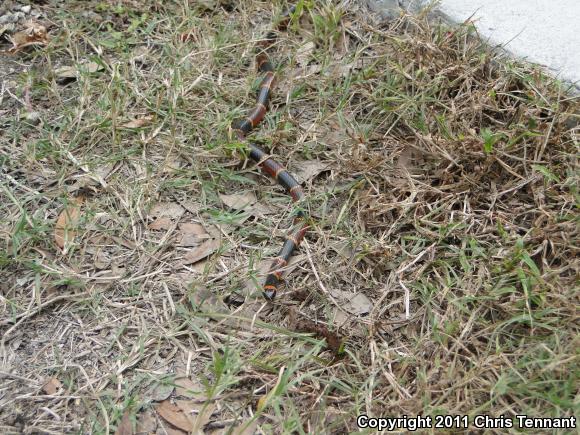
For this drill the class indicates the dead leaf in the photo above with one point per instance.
(34, 35)
(172, 164)
(118, 270)
(174, 415)
(67, 222)
(342, 70)
(162, 223)
(189, 407)
(51, 386)
(70, 72)
(247, 203)
(410, 161)
(340, 317)
(204, 299)
(160, 391)
(168, 429)
(247, 428)
(310, 169)
(356, 304)
(190, 206)
(125, 426)
(344, 249)
(90, 67)
(167, 209)
(102, 260)
(192, 234)
(66, 72)
(360, 304)
(185, 387)
(138, 123)
(207, 5)
(304, 53)
(146, 423)
(139, 53)
(203, 417)
(124, 242)
(239, 201)
(202, 251)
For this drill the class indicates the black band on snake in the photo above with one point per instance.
(270, 166)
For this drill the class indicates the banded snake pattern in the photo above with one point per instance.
(242, 127)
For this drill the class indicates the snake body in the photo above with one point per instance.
(267, 164)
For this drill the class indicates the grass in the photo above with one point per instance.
(446, 200)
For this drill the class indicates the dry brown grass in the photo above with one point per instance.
(442, 183)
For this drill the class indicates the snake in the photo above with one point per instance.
(266, 163)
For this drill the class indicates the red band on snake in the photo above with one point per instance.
(270, 166)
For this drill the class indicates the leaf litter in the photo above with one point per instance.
(34, 35)
(66, 225)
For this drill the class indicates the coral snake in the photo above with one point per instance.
(267, 164)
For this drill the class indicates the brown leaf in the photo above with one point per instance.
(246, 202)
(344, 249)
(34, 34)
(204, 250)
(66, 72)
(72, 72)
(185, 387)
(168, 429)
(191, 206)
(146, 423)
(167, 209)
(189, 407)
(192, 234)
(159, 391)
(129, 244)
(162, 223)
(102, 260)
(247, 428)
(90, 67)
(309, 169)
(340, 317)
(172, 164)
(203, 417)
(65, 227)
(138, 123)
(174, 415)
(239, 201)
(51, 386)
(205, 300)
(125, 427)
(304, 53)
(356, 304)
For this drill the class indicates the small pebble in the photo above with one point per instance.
(26, 9)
